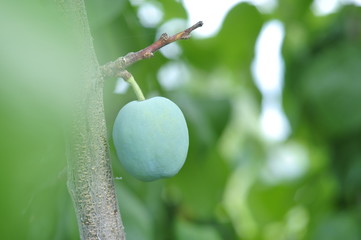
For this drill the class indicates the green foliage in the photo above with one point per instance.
(333, 96)
(244, 34)
(185, 230)
(228, 187)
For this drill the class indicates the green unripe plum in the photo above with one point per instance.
(151, 138)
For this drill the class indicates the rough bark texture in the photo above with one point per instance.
(90, 179)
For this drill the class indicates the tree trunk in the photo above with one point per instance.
(90, 179)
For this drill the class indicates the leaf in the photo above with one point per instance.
(233, 46)
(201, 53)
(330, 87)
(346, 154)
(206, 116)
(187, 230)
(173, 9)
(293, 11)
(270, 203)
(200, 183)
(236, 40)
(343, 225)
(136, 218)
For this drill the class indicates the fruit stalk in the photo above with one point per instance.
(128, 77)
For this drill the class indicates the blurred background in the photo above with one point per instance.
(271, 91)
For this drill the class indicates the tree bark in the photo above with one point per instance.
(90, 178)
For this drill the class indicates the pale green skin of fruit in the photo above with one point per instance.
(151, 138)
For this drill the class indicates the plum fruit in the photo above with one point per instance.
(151, 138)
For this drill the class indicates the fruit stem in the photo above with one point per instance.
(136, 88)
(128, 77)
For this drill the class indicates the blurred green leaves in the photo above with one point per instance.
(331, 88)
(185, 230)
(237, 36)
(233, 46)
(336, 226)
(173, 9)
(222, 191)
(37, 67)
(136, 218)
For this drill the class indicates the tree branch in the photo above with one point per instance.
(113, 69)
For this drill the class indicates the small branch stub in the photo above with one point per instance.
(113, 69)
